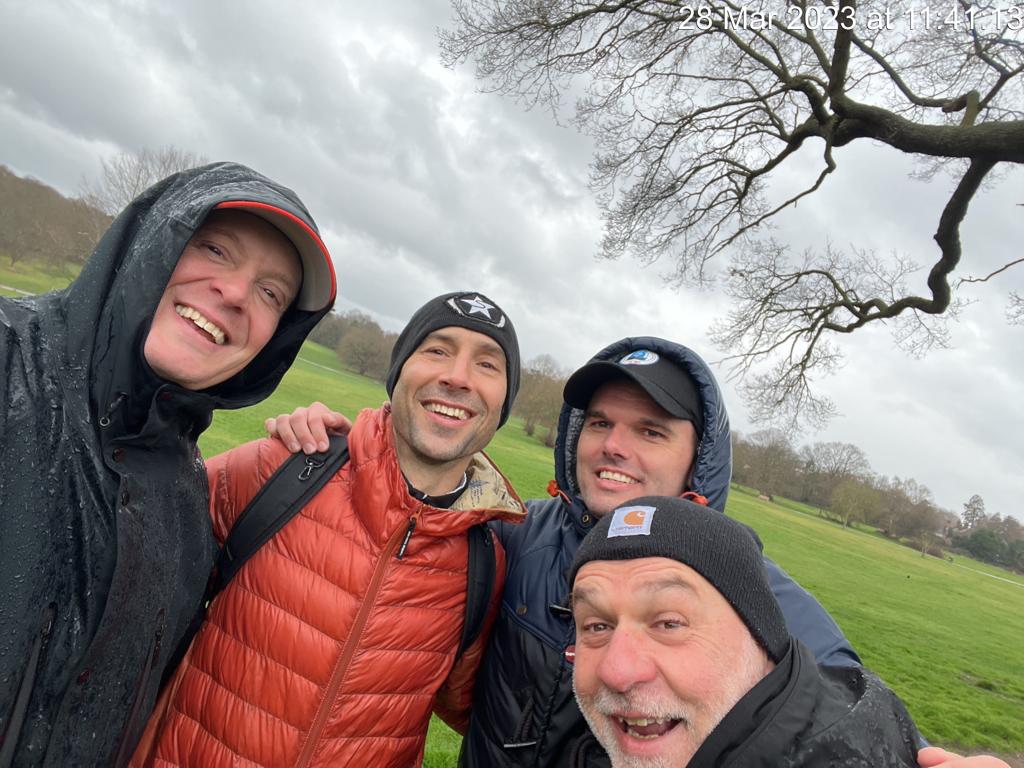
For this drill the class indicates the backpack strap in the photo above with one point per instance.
(286, 491)
(480, 576)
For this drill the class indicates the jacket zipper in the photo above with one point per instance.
(400, 536)
(9, 736)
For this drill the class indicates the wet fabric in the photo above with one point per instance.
(524, 712)
(105, 542)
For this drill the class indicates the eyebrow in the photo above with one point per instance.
(485, 344)
(667, 424)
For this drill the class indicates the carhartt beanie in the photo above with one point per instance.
(465, 310)
(724, 552)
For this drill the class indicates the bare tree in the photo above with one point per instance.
(540, 396)
(695, 106)
(127, 175)
(854, 500)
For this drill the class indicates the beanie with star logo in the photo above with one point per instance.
(463, 309)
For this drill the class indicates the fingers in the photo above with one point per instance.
(306, 429)
(929, 757)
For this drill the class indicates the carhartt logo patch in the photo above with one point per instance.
(640, 357)
(631, 521)
(476, 306)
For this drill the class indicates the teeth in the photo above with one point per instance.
(196, 317)
(642, 721)
(455, 413)
(605, 474)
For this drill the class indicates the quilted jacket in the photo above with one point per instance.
(337, 639)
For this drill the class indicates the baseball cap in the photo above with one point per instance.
(664, 380)
(319, 285)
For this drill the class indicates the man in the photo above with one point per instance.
(645, 415)
(683, 658)
(337, 639)
(197, 297)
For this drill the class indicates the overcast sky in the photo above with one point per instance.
(421, 184)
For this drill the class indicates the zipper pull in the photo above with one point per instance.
(105, 418)
(408, 535)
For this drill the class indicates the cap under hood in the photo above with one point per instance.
(713, 463)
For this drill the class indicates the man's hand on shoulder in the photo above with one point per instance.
(933, 757)
(306, 429)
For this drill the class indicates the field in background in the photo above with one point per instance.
(948, 637)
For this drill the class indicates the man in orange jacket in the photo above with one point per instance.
(338, 638)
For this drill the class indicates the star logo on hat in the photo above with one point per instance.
(475, 306)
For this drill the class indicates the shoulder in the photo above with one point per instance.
(243, 469)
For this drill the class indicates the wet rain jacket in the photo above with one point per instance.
(332, 644)
(524, 712)
(801, 715)
(105, 541)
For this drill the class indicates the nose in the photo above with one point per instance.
(616, 443)
(626, 662)
(234, 287)
(457, 373)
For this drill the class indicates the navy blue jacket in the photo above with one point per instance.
(524, 712)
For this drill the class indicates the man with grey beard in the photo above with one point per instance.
(682, 656)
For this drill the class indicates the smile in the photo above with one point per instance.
(219, 337)
(452, 412)
(619, 477)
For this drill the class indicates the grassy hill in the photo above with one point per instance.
(946, 636)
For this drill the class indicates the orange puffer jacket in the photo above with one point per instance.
(327, 649)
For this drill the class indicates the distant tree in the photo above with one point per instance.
(366, 350)
(985, 544)
(125, 176)
(829, 464)
(772, 461)
(853, 501)
(697, 107)
(328, 331)
(540, 395)
(974, 512)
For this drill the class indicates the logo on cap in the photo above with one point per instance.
(631, 521)
(475, 306)
(640, 357)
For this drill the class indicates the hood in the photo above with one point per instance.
(713, 462)
(108, 309)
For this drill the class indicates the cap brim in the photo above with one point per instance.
(319, 285)
(580, 387)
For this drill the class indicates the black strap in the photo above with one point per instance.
(287, 491)
(480, 572)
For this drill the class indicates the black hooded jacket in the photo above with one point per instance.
(801, 715)
(105, 539)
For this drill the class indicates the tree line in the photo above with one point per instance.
(836, 479)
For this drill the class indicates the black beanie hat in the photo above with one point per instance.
(463, 309)
(726, 553)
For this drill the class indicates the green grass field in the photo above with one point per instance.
(948, 637)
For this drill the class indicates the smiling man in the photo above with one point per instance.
(335, 642)
(683, 658)
(197, 297)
